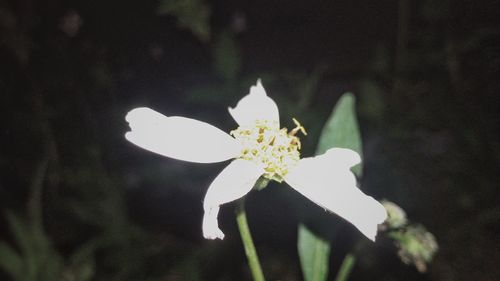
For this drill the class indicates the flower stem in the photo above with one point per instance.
(246, 237)
(346, 267)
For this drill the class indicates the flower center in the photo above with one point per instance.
(264, 142)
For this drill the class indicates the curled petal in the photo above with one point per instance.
(236, 180)
(179, 137)
(210, 225)
(255, 106)
(327, 181)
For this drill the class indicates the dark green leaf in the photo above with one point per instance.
(193, 15)
(10, 261)
(226, 56)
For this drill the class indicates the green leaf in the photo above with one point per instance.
(227, 59)
(313, 252)
(193, 15)
(21, 232)
(51, 267)
(10, 261)
(340, 130)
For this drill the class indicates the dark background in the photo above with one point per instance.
(425, 74)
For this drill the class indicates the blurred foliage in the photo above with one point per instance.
(226, 64)
(38, 260)
(193, 15)
(416, 245)
(227, 59)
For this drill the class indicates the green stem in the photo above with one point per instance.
(246, 237)
(346, 267)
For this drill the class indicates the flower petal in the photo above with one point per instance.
(327, 180)
(179, 137)
(236, 180)
(255, 106)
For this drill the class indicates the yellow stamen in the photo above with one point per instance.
(298, 128)
(265, 143)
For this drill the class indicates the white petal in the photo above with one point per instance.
(179, 137)
(255, 106)
(236, 180)
(328, 181)
(210, 225)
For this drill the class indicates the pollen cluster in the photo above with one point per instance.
(264, 142)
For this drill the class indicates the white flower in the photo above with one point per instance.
(259, 149)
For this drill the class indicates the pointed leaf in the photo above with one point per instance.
(341, 129)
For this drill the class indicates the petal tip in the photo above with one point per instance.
(211, 231)
(372, 237)
(369, 232)
(231, 110)
(210, 226)
(258, 89)
(255, 106)
(259, 83)
(135, 113)
(128, 135)
(213, 236)
(344, 156)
